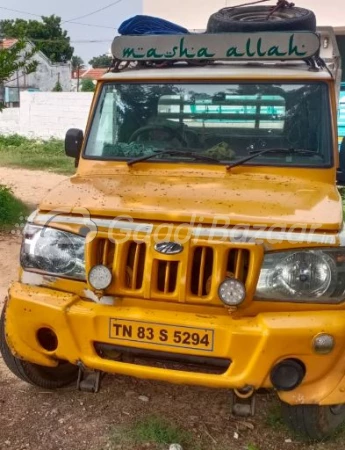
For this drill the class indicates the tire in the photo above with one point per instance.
(43, 377)
(314, 422)
(254, 18)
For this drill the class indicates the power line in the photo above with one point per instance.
(20, 12)
(93, 25)
(56, 41)
(68, 21)
(93, 12)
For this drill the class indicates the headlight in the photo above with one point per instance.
(316, 275)
(53, 252)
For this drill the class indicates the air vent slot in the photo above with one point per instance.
(167, 276)
(202, 268)
(238, 263)
(105, 252)
(135, 265)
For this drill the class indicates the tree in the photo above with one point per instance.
(77, 63)
(14, 59)
(57, 87)
(47, 35)
(87, 85)
(102, 61)
(11, 60)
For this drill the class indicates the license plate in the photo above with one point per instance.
(162, 334)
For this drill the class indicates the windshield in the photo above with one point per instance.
(226, 122)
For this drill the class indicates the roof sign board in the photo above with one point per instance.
(222, 46)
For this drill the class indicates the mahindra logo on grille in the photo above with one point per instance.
(168, 248)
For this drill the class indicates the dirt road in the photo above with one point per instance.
(29, 185)
(31, 418)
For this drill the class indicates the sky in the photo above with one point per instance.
(111, 17)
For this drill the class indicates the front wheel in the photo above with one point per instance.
(314, 422)
(43, 377)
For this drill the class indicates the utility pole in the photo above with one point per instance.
(78, 75)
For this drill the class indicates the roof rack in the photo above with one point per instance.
(319, 50)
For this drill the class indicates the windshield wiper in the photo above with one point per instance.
(172, 151)
(284, 151)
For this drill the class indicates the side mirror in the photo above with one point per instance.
(73, 143)
(341, 170)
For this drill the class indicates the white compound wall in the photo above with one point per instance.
(46, 114)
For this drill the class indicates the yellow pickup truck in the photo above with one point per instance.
(203, 228)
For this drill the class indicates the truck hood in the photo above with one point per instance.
(254, 199)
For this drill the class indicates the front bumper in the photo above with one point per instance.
(254, 344)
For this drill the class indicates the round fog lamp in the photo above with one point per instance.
(232, 292)
(100, 277)
(323, 343)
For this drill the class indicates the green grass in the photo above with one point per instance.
(12, 210)
(252, 447)
(18, 151)
(154, 431)
(274, 418)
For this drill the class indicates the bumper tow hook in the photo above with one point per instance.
(243, 402)
(88, 380)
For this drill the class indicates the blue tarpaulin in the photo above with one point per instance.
(141, 25)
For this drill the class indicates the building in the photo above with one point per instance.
(44, 78)
(86, 74)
